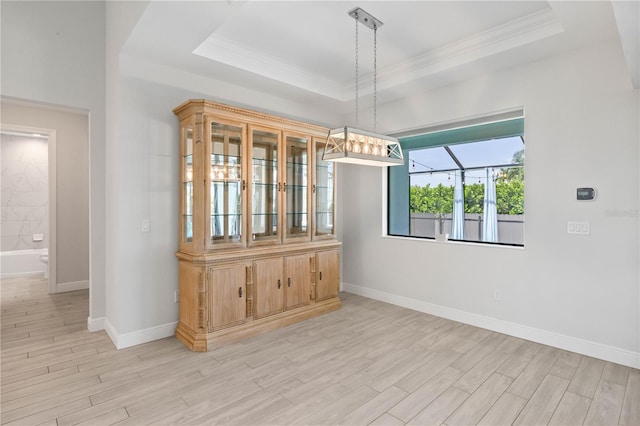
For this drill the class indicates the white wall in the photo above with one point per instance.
(54, 53)
(577, 292)
(147, 162)
(120, 18)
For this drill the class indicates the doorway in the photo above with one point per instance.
(67, 134)
(28, 245)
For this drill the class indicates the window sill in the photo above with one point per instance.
(455, 242)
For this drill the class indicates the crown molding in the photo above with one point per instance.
(228, 52)
(509, 36)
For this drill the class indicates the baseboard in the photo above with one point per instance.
(569, 343)
(96, 324)
(72, 286)
(111, 332)
(33, 274)
(134, 338)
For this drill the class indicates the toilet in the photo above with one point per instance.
(44, 258)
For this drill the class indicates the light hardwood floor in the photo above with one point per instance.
(368, 363)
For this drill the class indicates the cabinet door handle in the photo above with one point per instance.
(284, 187)
(289, 282)
(279, 284)
(239, 291)
(279, 186)
(314, 188)
(320, 274)
(244, 185)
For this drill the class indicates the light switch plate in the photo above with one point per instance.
(578, 228)
(146, 226)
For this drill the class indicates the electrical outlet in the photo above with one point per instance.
(497, 294)
(578, 228)
(146, 225)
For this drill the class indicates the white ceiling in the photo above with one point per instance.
(306, 49)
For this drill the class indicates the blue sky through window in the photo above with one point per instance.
(487, 153)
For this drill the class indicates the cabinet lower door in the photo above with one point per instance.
(327, 274)
(227, 291)
(298, 273)
(268, 282)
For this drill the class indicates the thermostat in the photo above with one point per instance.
(585, 194)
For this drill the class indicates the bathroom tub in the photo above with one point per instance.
(22, 263)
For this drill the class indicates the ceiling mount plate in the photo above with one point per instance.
(365, 18)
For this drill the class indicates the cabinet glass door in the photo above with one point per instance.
(187, 184)
(225, 174)
(323, 189)
(296, 187)
(264, 185)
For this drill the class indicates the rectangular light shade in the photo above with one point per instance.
(354, 146)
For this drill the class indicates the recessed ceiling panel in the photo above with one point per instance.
(311, 45)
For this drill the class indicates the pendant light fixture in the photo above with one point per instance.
(355, 146)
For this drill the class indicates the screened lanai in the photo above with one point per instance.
(471, 191)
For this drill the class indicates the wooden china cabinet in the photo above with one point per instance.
(257, 246)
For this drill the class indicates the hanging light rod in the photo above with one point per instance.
(351, 145)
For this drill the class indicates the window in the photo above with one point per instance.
(465, 180)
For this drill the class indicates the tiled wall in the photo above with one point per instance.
(24, 199)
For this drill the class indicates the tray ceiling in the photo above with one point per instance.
(307, 48)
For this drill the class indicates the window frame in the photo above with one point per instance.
(503, 124)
